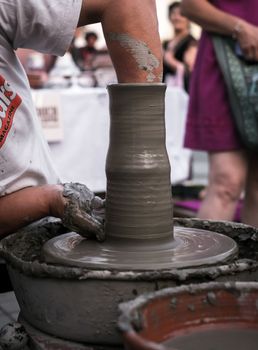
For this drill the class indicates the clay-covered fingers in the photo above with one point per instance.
(98, 209)
(83, 212)
(97, 203)
(87, 225)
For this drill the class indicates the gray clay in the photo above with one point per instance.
(79, 211)
(139, 198)
(13, 336)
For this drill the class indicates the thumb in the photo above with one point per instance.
(97, 203)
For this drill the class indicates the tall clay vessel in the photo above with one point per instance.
(139, 218)
(139, 199)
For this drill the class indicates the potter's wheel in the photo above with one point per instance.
(188, 248)
(65, 301)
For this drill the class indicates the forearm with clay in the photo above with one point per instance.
(78, 207)
(131, 32)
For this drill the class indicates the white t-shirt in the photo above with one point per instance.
(46, 26)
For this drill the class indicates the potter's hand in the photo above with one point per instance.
(84, 212)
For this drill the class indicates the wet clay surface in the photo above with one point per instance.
(216, 339)
(245, 236)
(188, 248)
(23, 251)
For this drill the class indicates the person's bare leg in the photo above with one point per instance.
(131, 32)
(227, 173)
(250, 208)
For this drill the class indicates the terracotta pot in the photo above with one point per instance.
(205, 316)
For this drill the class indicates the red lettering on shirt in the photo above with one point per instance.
(9, 102)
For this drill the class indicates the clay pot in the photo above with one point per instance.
(196, 317)
(81, 304)
(139, 197)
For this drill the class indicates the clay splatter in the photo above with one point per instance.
(145, 59)
(191, 307)
(173, 303)
(211, 298)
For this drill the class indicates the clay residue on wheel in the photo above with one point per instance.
(27, 243)
(245, 236)
(23, 251)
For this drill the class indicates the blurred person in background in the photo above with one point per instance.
(210, 125)
(75, 48)
(37, 66)
(85, 54)
(90, 51)
(180, 51)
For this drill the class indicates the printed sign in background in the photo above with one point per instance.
(48, 111)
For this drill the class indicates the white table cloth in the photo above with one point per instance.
(81, 154)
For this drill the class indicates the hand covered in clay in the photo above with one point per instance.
(84, 212)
